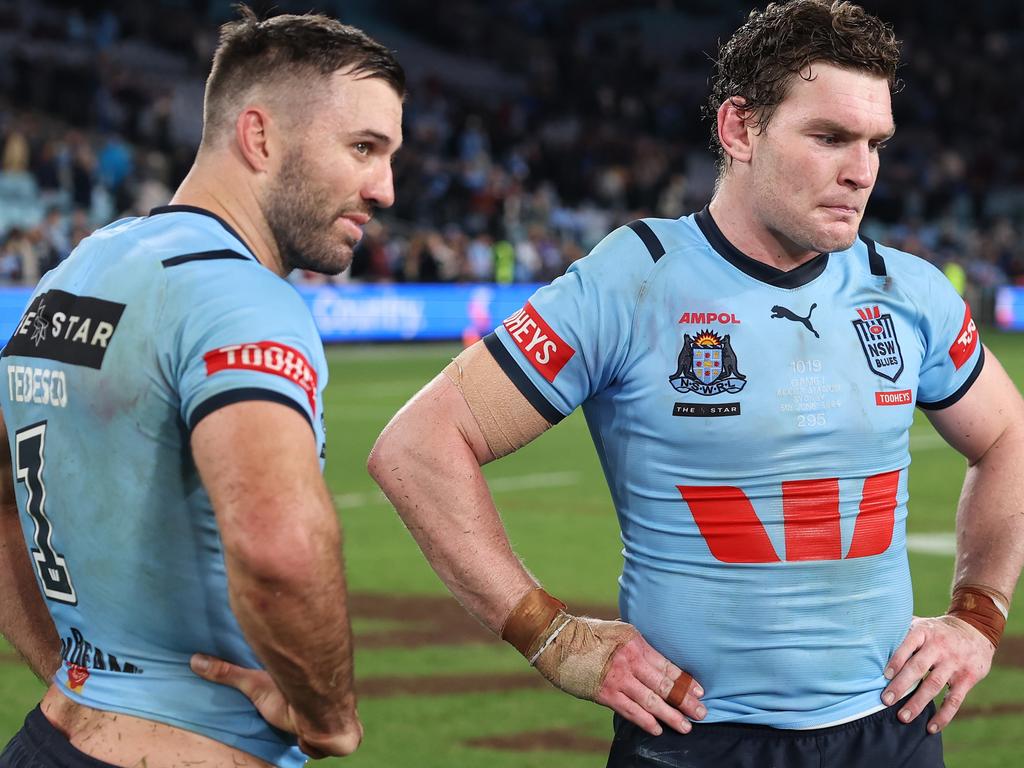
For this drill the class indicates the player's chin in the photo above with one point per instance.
(838, 236)
(329, 260)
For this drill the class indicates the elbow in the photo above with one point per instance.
(284, 561)
(385, 457)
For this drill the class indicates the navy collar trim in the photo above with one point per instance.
(758, 270)
(203, 212)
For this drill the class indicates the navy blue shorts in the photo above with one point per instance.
(876, 741)
(39, 745)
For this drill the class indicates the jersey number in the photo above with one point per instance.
(30, 444)
(810, 511)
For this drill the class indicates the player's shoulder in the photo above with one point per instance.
(633, 251)
(884, 260)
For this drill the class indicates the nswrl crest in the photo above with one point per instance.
(707, 366)
(877, 335)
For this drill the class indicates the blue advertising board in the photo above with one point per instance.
(1010, 308)
(347, 313)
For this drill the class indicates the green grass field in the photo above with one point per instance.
(431, 683)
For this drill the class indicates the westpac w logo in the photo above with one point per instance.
(877, 335)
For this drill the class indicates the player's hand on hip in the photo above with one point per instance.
(937, 652)
(261, 690)
(610, 662)
(643, 686)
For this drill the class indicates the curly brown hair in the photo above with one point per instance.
(756, 66)
(287, 52)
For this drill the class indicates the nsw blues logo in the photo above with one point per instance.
(877, 335)
(707, 366)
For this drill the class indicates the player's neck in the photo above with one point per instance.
(215, 192)
(732, 215)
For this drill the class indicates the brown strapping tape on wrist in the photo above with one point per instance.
(976, 604)
(529, 619)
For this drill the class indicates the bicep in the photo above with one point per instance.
(984, 414)
(474, 402)
(259, 465)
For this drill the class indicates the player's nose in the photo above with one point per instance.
(379, 188)
(860, 166)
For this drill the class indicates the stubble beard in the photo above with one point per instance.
(303, 228)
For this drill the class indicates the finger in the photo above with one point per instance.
(950, 706)
(926, 691)
(656, 705)
(225, 673)
(310, 751)
(911, 643)
(910, 674)
(679, 689)
(668, 669)
(633, 712)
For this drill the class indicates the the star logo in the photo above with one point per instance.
(40, 325)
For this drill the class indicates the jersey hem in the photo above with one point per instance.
(272, 755)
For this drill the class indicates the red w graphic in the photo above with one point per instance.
(810, 510)
(870, 313)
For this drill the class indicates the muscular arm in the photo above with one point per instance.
(987, 427)
(24, 619)
(427, 461)
(282, 549)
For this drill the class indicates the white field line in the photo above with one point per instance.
(521, 483)
(932, 543)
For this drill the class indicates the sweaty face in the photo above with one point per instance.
(335, 170)
(812, 170)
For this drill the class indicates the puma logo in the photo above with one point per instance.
(782, 312)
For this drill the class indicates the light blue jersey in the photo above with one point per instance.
(150, 325)
(753, 426)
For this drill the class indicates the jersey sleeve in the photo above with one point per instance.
(572, 336)
(953, 356)
(237, 332)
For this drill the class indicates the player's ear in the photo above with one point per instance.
(253, 137)
(734, 130)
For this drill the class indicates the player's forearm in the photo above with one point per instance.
(990, 519)
(432, 477)
(24, 620)
(294, 614)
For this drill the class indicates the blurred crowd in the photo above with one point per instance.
(578, 117)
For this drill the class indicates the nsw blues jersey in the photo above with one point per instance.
(150, 325)
(753, 426)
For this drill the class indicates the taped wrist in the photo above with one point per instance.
(982, 607)
(531, 617)
(576, 652)
(572, 652)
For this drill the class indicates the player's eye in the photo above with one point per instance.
(878, 146)
(828, 139)
(363, 147)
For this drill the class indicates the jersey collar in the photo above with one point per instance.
(758, 270)
(203, 212)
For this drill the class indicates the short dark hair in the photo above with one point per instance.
(285, 49)
(758, 63)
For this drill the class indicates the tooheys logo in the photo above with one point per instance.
(966, 341)
(267, 357)
(70, 329)
(544, 348)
